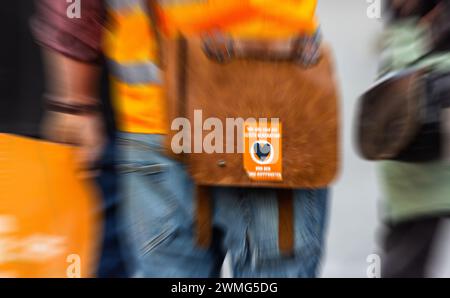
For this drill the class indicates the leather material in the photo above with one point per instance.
(286, 240)
(304, 99)
(203, 216)
(252, 85)
(286, 219)
(303, 50)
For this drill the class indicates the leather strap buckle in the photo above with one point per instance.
(303, 50)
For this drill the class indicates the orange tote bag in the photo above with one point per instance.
(49, 216)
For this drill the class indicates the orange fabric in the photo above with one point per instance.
(195, 18)
(48, 224)
(129, 37)
(295, 16)
(140, 108)
(129, 40)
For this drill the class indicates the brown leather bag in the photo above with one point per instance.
(248, 79)
(227, 78)
(256, 79)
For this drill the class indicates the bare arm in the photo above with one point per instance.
(72, 51)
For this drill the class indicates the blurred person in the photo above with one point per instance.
(417, 195)
(158, 203)
(96, 122)
(48, 218)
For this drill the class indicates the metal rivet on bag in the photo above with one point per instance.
(222, 163)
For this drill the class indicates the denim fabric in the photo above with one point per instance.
(112, 259)
(159, 211)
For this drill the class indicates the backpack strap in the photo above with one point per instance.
(285, 218)
(303, 50)
(203, 223)
(286, 221)
(153, 12)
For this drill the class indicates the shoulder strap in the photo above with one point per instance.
(153, 12)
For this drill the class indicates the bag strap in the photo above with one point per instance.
(153, 12)
(304, 50)
(286, 219)
(203, 220)
(286, 231)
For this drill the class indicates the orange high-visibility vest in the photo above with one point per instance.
(132, 49)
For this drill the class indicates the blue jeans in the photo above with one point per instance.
(158, 212)
(112, 259)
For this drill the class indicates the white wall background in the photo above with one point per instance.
(353, 217)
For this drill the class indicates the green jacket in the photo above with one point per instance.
(412, 190)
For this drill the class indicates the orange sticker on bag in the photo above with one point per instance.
(263, 150)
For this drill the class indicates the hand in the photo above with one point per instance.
(84, 131)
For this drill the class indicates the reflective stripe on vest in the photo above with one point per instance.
(138, 73)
